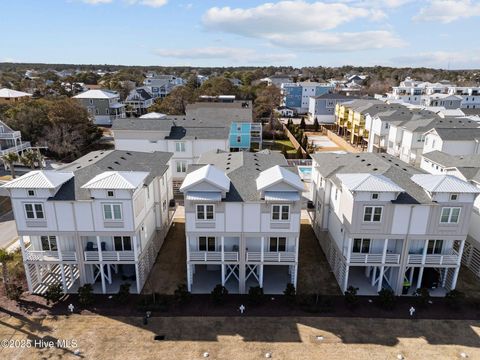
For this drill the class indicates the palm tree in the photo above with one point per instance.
(10, 159)
(5, 257)
(31, 158)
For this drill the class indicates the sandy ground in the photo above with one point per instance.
(100, 338)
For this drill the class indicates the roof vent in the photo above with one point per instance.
(258, 169)
(78, 167)
(116, 162)
(129, 153)
(109, 167)
(227, 168)
(362, 160)
(121, 157)
(369, 164)
(374, 169)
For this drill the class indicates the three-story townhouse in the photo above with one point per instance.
(385, 224)
(100, 220)
(242, 215)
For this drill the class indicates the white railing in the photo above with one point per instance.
(374, 258)
(16, 149)
(434, 259)
(110, 256)
(213, 256)
(50, 255)
(10, 135)
(271, 256)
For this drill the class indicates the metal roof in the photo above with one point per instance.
(39, 179)
(203, 196)
(9, 93)
(208, 173)
(278, 174)
(444, 183)
(128, 180)
(282, 196)
(96, 94)
(368, 182)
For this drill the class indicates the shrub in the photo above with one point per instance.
(351, 297)
(255, 295)
(13, 291)
(290, 293)
(123, 292)
(219, 294)
(386, 299)
(181, 295)
(422, 296)
(54, 293)
(85, 295)
(454, 299)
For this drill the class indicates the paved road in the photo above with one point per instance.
(8, 230)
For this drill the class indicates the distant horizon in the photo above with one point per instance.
(236, 66)
(434, 34)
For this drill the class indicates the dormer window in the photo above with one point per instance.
(453, 197)
(281, 212)
(31, 192)
(110, 193)
(375, 196)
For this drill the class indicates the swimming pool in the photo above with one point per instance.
(305, 170)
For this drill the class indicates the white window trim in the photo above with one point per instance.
(123, 243)
(34, 211)
(204, 212)
(183, 166)
(373, 213)
(206, 243)
(375, 198)
(49, 239)
(280, 213)
(111, 208)
(180, 146)
(34, 193)
(456, 197)
(113, 195)
(450, 214)
(361, 245)
(277, 240)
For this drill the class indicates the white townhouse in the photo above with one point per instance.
(458, 141)
(407, 139)
(11, 141)
(242, 221)
(467, 168)
(385, 224)
(470, 96)
(205, 127)
(99, 220)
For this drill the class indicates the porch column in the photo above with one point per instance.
(410, 280)
(187, 239)
(109, 274)
(262, 249)
(223, 274)
(297, 243)
(222, 242)
(349, 249)
(295, 272)
(460, 252)
(380, 278)
(374, 274)
(99, 249)
(189, 278)
(25, 264)
(420, 276)
(100, 259)
(260, 275)
(384, 253)
(345, 279)
(455, 277)
(64, 281)
(424, 254)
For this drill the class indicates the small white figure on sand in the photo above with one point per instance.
(412, 311)
(71, 308)
(242, 309)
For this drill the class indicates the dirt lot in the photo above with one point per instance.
(100, 338)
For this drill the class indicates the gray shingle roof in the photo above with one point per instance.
(399, 172)
(458, 134)
(96, 162)
(243, 169)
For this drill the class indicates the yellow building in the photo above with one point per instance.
(8, 96)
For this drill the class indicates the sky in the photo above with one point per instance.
(430, 33)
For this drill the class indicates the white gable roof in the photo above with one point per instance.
(9, 93)
(368, 182)
(444, 183)
(127, 180)
(39, 179)
(96, 94)
(153, 115)
(277, 174)
(208, 173)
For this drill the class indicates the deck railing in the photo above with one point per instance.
(374, 258)
(33, 255)
(213, 256)
(434, 259)
(110, 256)
(271, 256)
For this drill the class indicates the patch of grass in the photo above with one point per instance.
(280, 144)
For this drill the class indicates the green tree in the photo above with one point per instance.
(175, 103)
(316, 125)
(10, 159)
(217, 86)
(31, 158)
(5, 257)
(267, 100)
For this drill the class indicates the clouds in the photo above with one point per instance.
(447, 11)
(441, 59)
(295, 24)
(230, 54)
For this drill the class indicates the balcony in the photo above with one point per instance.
(357, 258)
(15, 149)
(10, 135)
(33, 255)
(207, 256)
(280, 256)
(434, 259)
(109, 256)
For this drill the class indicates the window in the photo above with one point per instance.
(112, 212)
(110, 193)
(361, 246)
(164, 205)
(122, 243)
(434, 246)
(91, 101)
(375, 196)
(180, 147)
(31, 192)
(239, 139)
(281, 212)
(49, 243)
(453, 197)
(207, 243)
(34, 211)
(181, 166)
(278, 244)
(450, 215)
(205, 212)
(372, 213)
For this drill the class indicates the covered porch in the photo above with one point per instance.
(204, 278)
